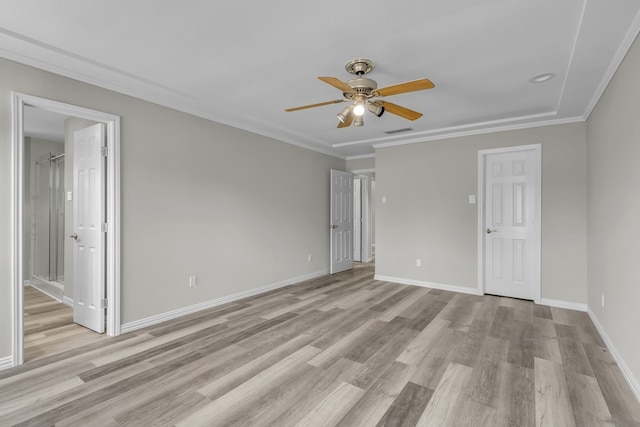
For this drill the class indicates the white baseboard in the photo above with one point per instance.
(563, 304)
(68, 301)
(626, 372)
(174, 314)
(6, 362)
(452, 288)
(44, 290)
(27, 282)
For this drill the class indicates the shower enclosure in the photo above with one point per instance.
(48, 218)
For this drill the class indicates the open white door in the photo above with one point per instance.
(89, 227)
(511, 227)
(357, 221)
(341, 227)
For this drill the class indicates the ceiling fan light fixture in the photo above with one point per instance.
(344, 114)
(358, 121)
(358, 110)
(376, 109)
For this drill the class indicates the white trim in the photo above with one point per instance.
(68, 301)
(362, 156)
(19, 100)
(617, 59)
(537, 148)
(363, 171)
(39, 287)
(494, 129)
(624, 368)
(174, 314)
(17, 154)
(563, 304)
(6, 363)
(422, 284)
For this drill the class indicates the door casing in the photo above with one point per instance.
(112, 122)
(537, 148)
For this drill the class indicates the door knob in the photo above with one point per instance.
(489, 231)
(74, 236)
(333, 226)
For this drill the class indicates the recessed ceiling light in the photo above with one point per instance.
(542, 77)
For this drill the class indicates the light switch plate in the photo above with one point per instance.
(472, 199)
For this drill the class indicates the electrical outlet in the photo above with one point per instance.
(309, 258)
(602, 300)
(193, 281)
(418, 262)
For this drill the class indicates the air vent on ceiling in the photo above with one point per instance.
(392, 132)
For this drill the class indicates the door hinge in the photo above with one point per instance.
(104, 303)
(104, 228)
(104, 151)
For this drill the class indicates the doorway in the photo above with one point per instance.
(56, 233)
(509, 221)
(363, 231)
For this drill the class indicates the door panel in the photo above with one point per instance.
(357, 220)
(89, 217)
(510, 223)
(341, 227)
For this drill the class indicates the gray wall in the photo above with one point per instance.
(198, 198)
(614, 209)
(361, 164)
(428, 216)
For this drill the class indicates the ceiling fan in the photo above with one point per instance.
(360, 91)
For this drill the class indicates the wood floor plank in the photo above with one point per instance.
(553, 404)
(440, 410)
(242, 397)
(332, 408)
(589, 406)
(343, 349)
(407, 407)
(420, 346)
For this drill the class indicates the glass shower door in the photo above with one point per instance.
(48, 220)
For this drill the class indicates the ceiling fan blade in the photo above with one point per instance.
(400, 111)
(320, 104)
(337, 83)
(346, 123)
(420, 84)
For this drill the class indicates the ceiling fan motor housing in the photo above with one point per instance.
(362, 86)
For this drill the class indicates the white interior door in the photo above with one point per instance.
(341, 227)
(88, 231)
(357, 220)
(511, 223)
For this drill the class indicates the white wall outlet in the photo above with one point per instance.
(309, 258)
(418, 262)
(384, 200)
(193, 281)
(602, 300)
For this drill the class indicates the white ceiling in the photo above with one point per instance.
(244, 62)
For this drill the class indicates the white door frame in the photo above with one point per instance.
(537, 148)
(19, 100)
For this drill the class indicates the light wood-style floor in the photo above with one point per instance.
(339, 350)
